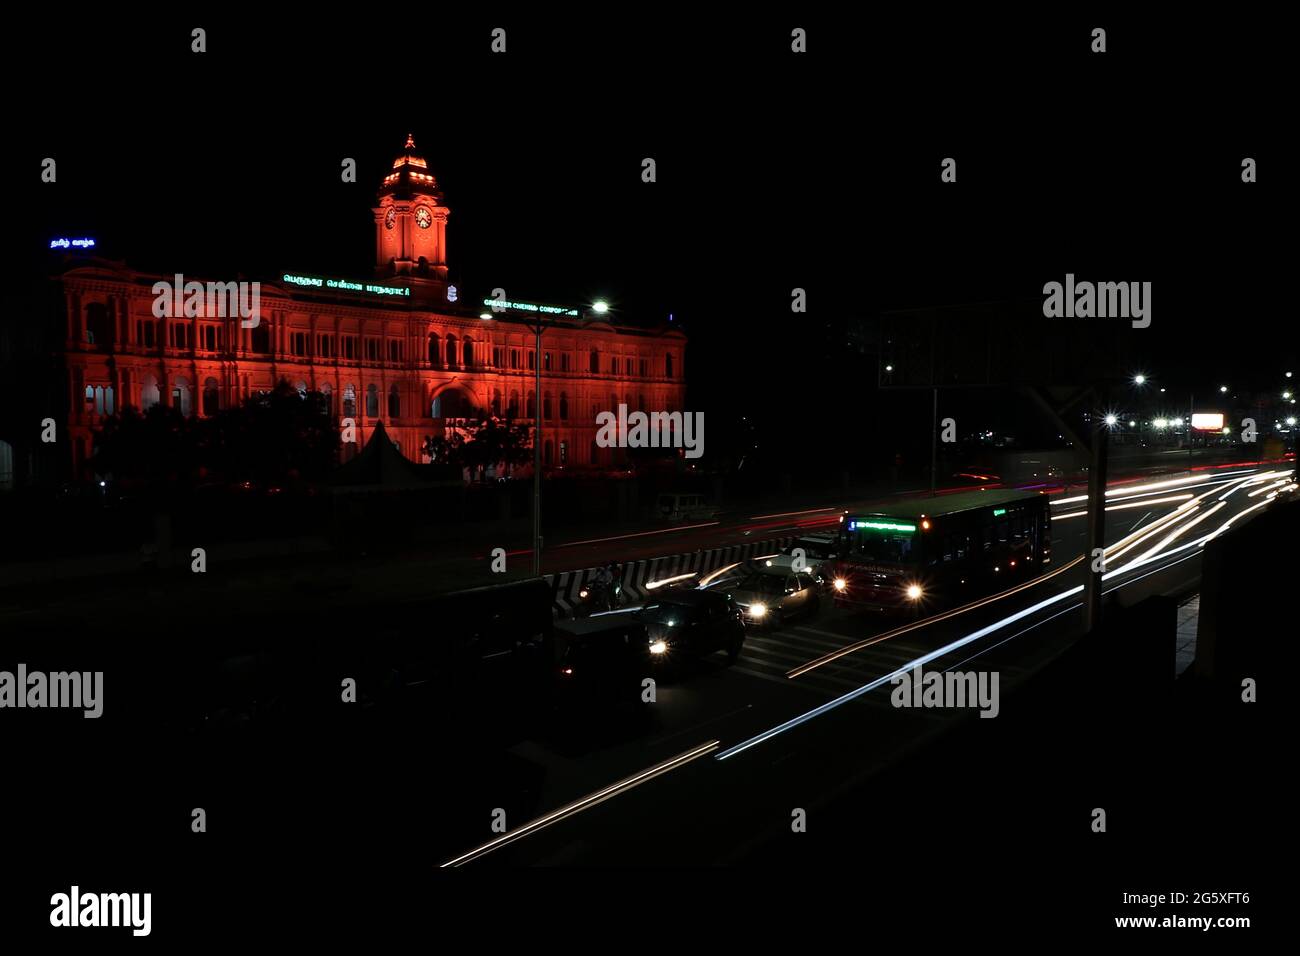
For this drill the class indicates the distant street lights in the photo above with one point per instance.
(1139, 379)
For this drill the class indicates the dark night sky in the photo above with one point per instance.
(774, 171)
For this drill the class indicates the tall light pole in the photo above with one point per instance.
(537, 325)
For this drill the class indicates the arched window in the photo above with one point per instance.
(181, 396)
(372, 401)
(452, 403)
(668, 364)
(328, 391)
(532, 405)
(394, 402)
(99, 326)
(496, 403)
(548, 452)
(512, 409)
(349, 401)
(261, 338)
(468, 352)
(435, 350)
(209, 397)
(594, 366)
(546, 406)
(451, 351)
(564, 407)
(301, 388)
(149, 394)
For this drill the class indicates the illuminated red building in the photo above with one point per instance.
(405, 348)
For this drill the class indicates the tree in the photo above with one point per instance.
(479, 444)
(273, 438)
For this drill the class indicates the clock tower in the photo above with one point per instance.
(411, 222)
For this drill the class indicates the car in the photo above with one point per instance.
(771, 596)
(601, 661)
(819, 554)
(684, 623)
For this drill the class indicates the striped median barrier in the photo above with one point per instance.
(639, 575)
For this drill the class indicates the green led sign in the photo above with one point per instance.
(344, 285)
(999, 511)
(530, 307)
(881, 526)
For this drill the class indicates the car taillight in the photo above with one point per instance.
(566, 671)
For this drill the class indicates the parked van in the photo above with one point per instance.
(675, 507)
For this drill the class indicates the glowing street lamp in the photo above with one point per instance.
(600, 307)
(1139, 379)
(1111, 420)
(1223, 388)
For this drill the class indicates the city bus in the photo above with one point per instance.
(921, 555)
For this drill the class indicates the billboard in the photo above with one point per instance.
(1209, 421)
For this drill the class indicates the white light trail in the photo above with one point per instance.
(585, 803)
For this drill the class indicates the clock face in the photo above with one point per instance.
(391, 219)
(423, 218)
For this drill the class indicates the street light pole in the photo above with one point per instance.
(537, 326)
(537, 452)
(934, 446)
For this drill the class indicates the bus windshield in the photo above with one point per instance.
(884, 540)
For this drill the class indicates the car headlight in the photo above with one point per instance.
(757, 610)
(840, 584)
(582, 593)
(659, 647)
(914, 592)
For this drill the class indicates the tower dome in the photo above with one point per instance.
(411, 220)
